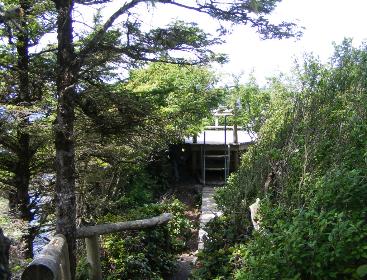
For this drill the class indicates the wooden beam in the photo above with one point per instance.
(90, 231)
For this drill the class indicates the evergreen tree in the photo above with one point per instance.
(24, 83)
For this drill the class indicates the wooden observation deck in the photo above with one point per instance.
(216, 151)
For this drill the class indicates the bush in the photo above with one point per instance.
(214, 262)
(313, 245)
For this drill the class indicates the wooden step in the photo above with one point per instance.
(216, 156)
(214, 168)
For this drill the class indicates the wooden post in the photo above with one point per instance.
(92, 246)
(53, 261)
(193, 162)
(47, 265)
(235, 134)
(65, 264)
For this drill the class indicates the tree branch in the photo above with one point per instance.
(43, 51)
(100, 33)
(9, 143)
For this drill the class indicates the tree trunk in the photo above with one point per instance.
(64, 130)
(4, 257)
(19, 201)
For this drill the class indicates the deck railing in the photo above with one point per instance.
(52, 263)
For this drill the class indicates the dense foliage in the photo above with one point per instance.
(182, 95)
(309, 168)
(26, 106)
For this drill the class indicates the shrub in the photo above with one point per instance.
(313, 245)
(214, 262)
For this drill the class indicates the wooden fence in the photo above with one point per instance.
(53, 261)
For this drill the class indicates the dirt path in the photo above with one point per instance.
(190, 195)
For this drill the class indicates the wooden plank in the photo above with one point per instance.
(220, 147)
(214, 168)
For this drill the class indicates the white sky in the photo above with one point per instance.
(325, 21)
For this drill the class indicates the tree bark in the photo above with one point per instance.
(50, 262)
(64, 130)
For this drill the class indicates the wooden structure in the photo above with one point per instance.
(215, 159)
(216, 151)
(53, 261)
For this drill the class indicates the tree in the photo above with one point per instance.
(131, 45)
(125, 128)
(249, 103)
(22, 91)
(182, 95)
(4, 256)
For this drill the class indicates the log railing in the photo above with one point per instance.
(53, 261)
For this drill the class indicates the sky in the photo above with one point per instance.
(325, 22)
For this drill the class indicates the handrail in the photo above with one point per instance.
(53, 261)
(229, 127)
(89, 231)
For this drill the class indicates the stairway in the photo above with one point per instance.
(215, 166)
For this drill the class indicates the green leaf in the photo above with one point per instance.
(362, 270)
